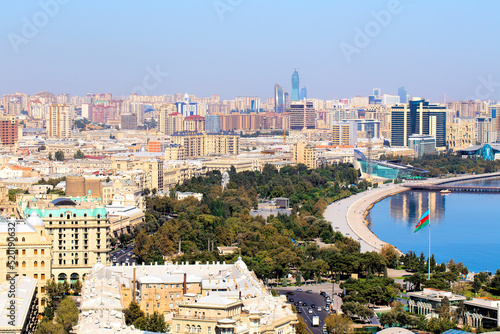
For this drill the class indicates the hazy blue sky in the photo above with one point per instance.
(431, 47)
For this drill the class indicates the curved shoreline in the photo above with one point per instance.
(349, 215)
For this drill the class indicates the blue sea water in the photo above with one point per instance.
(465, 227)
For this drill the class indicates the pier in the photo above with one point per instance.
(439, 187)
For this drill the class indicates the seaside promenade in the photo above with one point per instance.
(348, 215)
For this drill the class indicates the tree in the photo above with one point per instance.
(79, 155)
(132, 313)
(416, 280)
(145, 192)
(390, 255)
(301, 327)
(67, 314)
(42, 148)
(50, 156)
(59, 155)
(48, 327)
(76, 287)
(337, 324)
(156, 323)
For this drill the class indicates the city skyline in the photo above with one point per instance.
(345, 52)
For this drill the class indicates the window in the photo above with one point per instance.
(43, 251)
(35, 264)
(178, 330)
(35, 252)
(24, 264)
(42, 277)
(23, 239)
(43, 301)
(24, 251)
(42, 290)
(42, 264)
(35, 276)
(209, 330)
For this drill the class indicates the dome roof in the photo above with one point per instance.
(63, 201)
(34, 219)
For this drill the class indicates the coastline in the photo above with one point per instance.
(349, 215)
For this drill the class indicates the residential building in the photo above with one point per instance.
(128, 121)
(157, 146)
(305, 153)
(302, 115)
(60, 119)
(485, 130)
(163, 112)
(344, 133)
(9, 130)
(194, 123)
(212, 123)
(124, 218)
(197, 144)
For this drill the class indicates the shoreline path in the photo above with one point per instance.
(348, 215)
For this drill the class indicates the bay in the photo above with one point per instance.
(465, 227)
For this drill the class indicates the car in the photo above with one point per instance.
(296, 303)
(290, 300)
(313, 305)
(309, 291)
(299, 311)
(323, 293)
(304, 304)
(319, 309)
(310, 311)
(289, 293)
(298, 290)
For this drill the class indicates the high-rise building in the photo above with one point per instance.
(344, 133)
(194, 123)
(212, 123)
(402, 94)
(295, 86)
(9, 129)
(163, 112)
(302, 115)
(281, 99)
(303, 93)
(59, 121)
(418, 117)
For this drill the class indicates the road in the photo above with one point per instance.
(123, 254)
(309, 298)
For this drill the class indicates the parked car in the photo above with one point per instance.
(313, 305)
(299, 289)
(319, 309)
(304, 304)
(310, 311)
(290, 300)
(309, 291)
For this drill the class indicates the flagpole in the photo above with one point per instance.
(429, 277)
